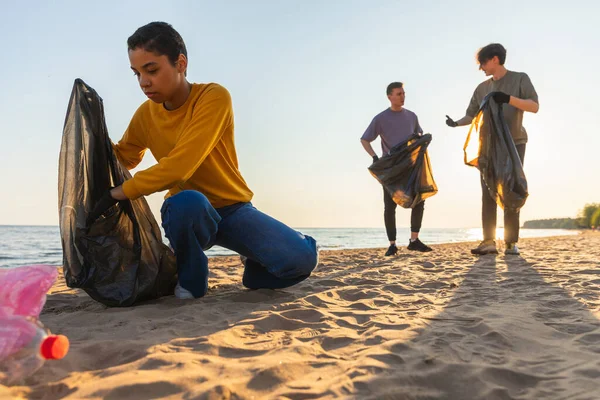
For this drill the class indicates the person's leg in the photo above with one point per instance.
(511, 219)
(489, 211)
(276, 255)
(416, 219)
(190, 223)
(389, 216)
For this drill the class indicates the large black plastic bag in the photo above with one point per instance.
(490, 148)
(120, 259)
(405, 172)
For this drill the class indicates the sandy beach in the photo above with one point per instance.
(442, 325)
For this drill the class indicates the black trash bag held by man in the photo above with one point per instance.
(490, 148)
(406, 173)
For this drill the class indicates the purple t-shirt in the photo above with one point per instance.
(393, 126)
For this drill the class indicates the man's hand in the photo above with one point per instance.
(375, 158)
(501, 97)
(450, 122)
(105, 202)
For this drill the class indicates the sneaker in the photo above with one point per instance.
(512, 249)
(182, 293)
(391, 251)
(485, 247)
(417, 245)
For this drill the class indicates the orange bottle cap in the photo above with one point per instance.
(54, 347)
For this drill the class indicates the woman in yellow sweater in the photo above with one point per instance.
(189, 128)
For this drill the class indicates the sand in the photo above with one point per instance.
(443, 325)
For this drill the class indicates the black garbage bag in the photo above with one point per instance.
(120, 259)
(490, 148)
(406, 171)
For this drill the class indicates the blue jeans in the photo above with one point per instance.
(276, 255)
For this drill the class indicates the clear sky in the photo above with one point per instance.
(306, 78)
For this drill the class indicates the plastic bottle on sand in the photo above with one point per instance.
(25, 345)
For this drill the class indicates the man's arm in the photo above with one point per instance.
(525, 105)
(527, 100)
(418, 129)
(528, 105)
(528, 97)
(466, 120)
(368, 148)
(367, 137)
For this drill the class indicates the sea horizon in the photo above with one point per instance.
(41, 244)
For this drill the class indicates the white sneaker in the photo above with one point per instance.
(182, 293)
(512, 249)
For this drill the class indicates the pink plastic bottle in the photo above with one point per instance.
(29, 346)
(24, 342)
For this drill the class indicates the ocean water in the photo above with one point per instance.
(24, 245)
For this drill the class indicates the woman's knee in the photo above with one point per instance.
(187, 203)
(300, 261)
(189, 211)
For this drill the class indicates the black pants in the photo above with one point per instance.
(489, 211)
(389, 216)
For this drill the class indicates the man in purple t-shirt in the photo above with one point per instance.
(394, 125)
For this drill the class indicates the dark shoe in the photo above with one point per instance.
(391, 251)
(485, 247)
(417, 245)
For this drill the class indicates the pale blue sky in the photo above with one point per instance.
(306, 79)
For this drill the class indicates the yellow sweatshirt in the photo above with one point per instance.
(194, 146)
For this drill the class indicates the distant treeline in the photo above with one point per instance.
(553, 223)
(588, 218)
